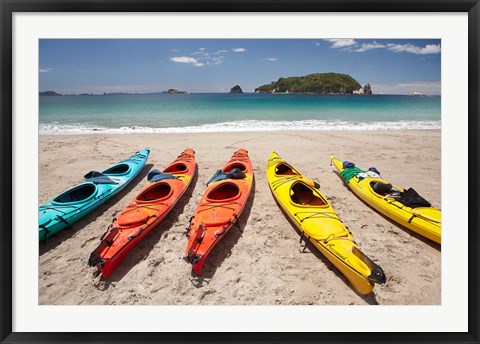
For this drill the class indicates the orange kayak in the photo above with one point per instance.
(219, 208)
(144, 212)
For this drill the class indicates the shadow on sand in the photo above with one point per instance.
(68, 232)
(223, 249)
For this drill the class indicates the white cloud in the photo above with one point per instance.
(270, 59)
(183, 59)
(413, 49)
(200, 51)
(368, 46)
(45, 70)
(187, 59)
(201, 57)
(341, 43)
(174, 50)
(348, 44)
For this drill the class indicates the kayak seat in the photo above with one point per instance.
(283, 169)
(224, 192)
(303, 195)
(159, 192)
(381, 188)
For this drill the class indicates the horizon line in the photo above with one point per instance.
(188, 92)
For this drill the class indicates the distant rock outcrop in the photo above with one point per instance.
(49, 93)
(236, 89)
(418, 94)
(367, 89)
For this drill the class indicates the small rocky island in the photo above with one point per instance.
(49, 93)
(319, 83)
(367, 89)
(174, 91)
(236, 89)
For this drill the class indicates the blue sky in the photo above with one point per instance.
(215, 65)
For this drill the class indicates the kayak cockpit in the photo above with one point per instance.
(80, 193)
(118, 170)
(379, 187)
(238, 165)
(303, 194)
(159, 192)
(176, 168)
(225, 192)
(285, 170)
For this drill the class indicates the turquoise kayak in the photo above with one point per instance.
(73, 204)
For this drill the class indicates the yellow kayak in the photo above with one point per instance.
(424, 220)
(318, 222)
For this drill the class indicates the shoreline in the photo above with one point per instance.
(263, 264)
(108, 134)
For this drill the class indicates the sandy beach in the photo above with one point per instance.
(262, 264)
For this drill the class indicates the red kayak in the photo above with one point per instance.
(219, 209)
(144, 212)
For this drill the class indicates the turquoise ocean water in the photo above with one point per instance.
(183, 113)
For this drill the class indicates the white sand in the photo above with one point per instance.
(262, 265)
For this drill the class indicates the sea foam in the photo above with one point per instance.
(241, 126)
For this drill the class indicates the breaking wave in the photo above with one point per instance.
(242, 126)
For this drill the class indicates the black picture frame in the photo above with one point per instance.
(9, 7)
